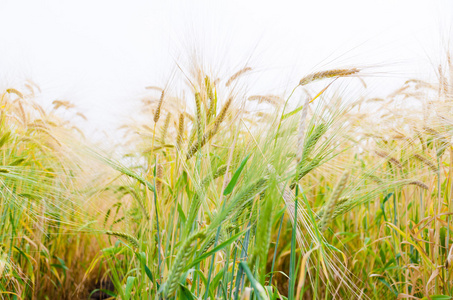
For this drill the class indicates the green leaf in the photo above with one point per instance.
(388, 285)
(181, 214)
(259, 290)
(217, 248)
(129, 283)
(186, 294)
(235, 177)
(292, 112)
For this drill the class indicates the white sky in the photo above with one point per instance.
(101, 54)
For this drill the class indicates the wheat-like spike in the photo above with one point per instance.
(165, 128)
(340, 201)
(239, 202)
(327, 74)
(305, 169)
(387, 156)
(132, 240)
(14, 91)
(155, 148)
(331, 203)
(219, 172)
(159, 107)
(177, 267)
(212, 100)
(199, 119)
(419, 184)
(426, 161)
(154, 88)
(208, 135)
(236, 75)
(422, 141)
(271, 99)
(180, 136)
(374, 178)
(300, 136)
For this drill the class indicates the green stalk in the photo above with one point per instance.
(275, 250)
(292, 260)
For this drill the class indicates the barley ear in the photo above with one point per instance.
(165, 128)
(129, 238)
(178, 264)
(331, 203)
(159, 107)
(180, 137)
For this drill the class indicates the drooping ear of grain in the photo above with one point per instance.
(236, 75)
(389, 158)
(327, 74)
(129, 238)
(426, 162)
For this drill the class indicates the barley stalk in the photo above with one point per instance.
(300, 136)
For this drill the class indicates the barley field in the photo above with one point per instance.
(222, 194)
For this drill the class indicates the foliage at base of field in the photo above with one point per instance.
(234, 196)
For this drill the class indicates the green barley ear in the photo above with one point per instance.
(199, 118)
(212, 96)
(129, 238)
(331, 203)
(180, 136)
(177, 267)
(312, 140)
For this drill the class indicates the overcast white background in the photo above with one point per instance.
(101, 54)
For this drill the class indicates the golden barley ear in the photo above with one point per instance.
(165, 128)
(237, 75)
(208, 135)
(427, 162)
(159, 107)
(389, 158)
(327, 74)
